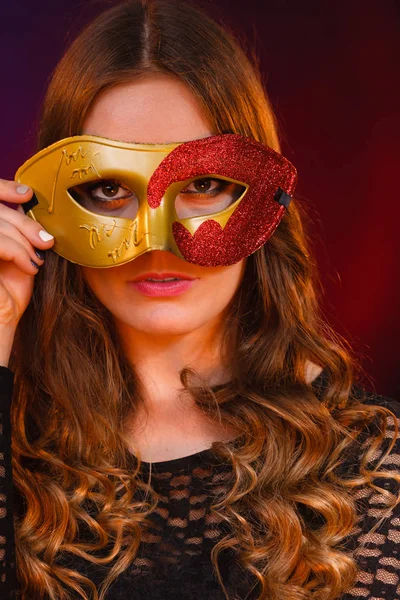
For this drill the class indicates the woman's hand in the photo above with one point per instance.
(22, 242)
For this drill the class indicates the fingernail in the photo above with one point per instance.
(39, 254)
(34, 264)
(45, 236)
(22, 189)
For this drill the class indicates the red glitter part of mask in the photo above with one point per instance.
(212, 246)
(257, 215)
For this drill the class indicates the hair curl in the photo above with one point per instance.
(74, 391)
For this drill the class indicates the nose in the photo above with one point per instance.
(159, 227)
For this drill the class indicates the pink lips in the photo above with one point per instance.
(162, 288)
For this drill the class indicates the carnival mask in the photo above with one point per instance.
(211, 201)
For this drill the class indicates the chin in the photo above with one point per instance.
(162, 325)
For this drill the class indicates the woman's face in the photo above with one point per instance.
(158, 108)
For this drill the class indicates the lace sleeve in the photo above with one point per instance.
(377, 551)
(7, 562)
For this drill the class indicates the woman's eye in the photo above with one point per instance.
(201, 186)
(206, 196)
(107, 197)
(108, 190)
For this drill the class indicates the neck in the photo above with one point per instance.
(158, 360)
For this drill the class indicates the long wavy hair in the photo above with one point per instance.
(74, 387)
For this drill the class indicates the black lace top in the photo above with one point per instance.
(174, 557)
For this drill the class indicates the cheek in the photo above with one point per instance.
(226, 282)
(104, 284)
(216, 290)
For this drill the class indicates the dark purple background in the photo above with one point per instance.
(332, 71)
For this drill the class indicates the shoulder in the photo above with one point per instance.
(376, 451)
(379, 440)
(368, 397)
(391, 406)
(320, 382)
(388, 427)
(376, 538)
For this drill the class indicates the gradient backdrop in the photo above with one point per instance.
(332, 71)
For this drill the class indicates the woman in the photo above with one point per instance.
(195, 438)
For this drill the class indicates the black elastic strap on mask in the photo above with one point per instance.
(27, 206)
(282, 197)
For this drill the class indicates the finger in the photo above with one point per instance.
(12, 251)
(14, 192)
(7, 229)
(31, 229)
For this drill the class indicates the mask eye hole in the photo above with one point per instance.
(107, 197)
(206, 196)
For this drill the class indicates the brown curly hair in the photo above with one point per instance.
(74, 391)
